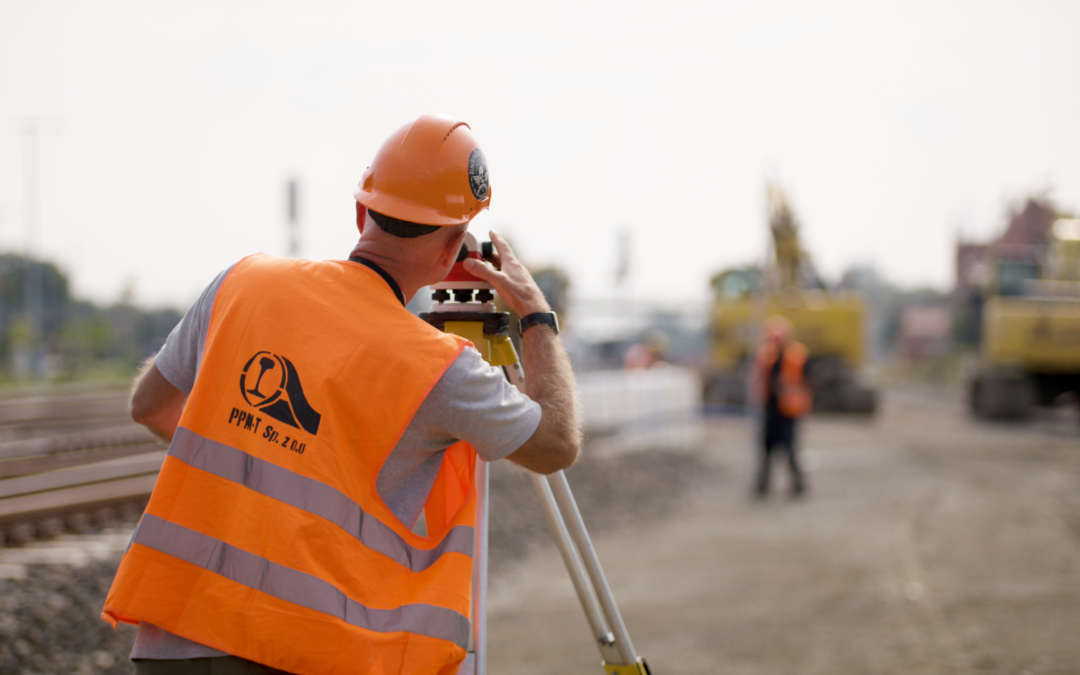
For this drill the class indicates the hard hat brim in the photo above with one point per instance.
(404, 209)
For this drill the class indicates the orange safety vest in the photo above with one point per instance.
(265, 536)
(794, 399)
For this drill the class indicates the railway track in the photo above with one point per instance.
(71, 460)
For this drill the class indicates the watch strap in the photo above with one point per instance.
(537, 319)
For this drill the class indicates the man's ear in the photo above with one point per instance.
(452, 248)
(361, 216)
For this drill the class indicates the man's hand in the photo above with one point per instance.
(549, 380)
(511, 280)
(155, 402)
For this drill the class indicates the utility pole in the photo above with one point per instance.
(32, 274)
(293, 196)
(33, 128)
(622, 256)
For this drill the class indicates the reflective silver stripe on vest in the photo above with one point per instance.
(297, 587)
(314, 497)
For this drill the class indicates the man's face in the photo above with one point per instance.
(777, 333)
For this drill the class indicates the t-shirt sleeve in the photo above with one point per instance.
(474, 402)
(181, 355)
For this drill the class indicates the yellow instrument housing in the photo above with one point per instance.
(497, 350)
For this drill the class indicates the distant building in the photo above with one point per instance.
(1029, 226)
(1024, 239)
(925, 332)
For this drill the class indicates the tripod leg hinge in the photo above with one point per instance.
(639, 668)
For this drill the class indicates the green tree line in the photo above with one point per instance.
(45, 332)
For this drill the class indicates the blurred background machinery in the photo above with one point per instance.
(1027, 284)
(830, 324)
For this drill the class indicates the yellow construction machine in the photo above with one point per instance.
(1030, 326)
(831, 325)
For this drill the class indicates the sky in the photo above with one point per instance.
(171, 129)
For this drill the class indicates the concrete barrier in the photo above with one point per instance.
(640, 409)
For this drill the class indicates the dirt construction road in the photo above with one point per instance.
(930, 543)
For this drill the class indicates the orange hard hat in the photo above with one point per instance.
(430, 172)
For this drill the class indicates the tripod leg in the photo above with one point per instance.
(480, 575)
(576, 526)
(589, 603)
(581, 561)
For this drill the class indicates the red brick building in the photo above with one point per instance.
(1027, 232)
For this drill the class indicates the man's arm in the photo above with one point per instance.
(549, 379)
(155, 403)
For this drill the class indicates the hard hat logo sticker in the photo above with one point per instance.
(478, 174)
(271, 384)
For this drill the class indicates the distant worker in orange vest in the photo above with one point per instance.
(649, 352)
(781, 390)
(316, 510)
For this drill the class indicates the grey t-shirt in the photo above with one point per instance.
(472, 401)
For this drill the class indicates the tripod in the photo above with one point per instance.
(489, 332)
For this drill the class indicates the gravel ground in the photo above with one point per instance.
(613, 492)
(49, 619)
(930, 543)
(49, 624)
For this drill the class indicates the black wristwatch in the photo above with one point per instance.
(539, 318)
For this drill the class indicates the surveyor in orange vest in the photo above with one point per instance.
(315, 511)
(781, 389)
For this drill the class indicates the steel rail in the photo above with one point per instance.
(69, 457)
(45, 408)
(45, 504)
(51, 453)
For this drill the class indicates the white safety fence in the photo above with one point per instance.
(640, 409)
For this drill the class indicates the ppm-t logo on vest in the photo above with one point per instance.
(271, 384)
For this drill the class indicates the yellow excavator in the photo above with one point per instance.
(1030, 353)
(830, 324)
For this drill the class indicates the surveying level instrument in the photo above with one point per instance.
(463, 305)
